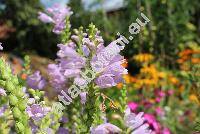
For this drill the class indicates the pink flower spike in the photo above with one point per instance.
(133, 106)
(159, 111)
(170, 92)
(166, 131)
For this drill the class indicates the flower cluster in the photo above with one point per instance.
(36, 81)
(17, 98)
(83, 53)
(134, 122)
(56, 15)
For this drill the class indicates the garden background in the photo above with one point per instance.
(163, 60)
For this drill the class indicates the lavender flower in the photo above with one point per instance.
(136, 123)
(1, 48)
(36, 111)
(34, 127)
(57, 79)
(106, 128)
(83, 96)
(36, 81)
(2, 92)
(56, 15)
(2, 110)
(108, 62)
(62, 130)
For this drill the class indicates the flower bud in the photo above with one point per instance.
(2, 83)
(9, 86)
(16, 112)
(22, 105)
(4, 74)
(19, 93)
(13, 100)
(15, 80)
(32, 91)
(20, 127)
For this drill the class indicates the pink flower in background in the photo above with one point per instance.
(147, 104)
(159, 111)
(151, 120)
(158, 99)
(133, 106)
(170, 92)
(160, 93)
(166, 131)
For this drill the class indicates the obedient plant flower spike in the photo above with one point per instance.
(65, 36)
(52, 117)
(17, 100)
(90, 108)
(123, 98)
(78, 39)
(7, 120)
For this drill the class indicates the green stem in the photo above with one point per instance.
(90, 108)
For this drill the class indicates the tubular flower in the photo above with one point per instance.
(2, 92)
(135, 122)
(56, 15)
(36, 111)
(2, 110)
(108, 63)
(105, 62)
(36, 81)
(106, 128)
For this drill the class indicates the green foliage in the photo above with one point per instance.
(16, 97)
(172, 23)
(30, 34)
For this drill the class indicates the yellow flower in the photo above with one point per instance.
(127, 78)
(193, 98)
(173, 80)
(143, 58)
(162, 75)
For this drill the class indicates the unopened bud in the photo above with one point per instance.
(9, 86)
(13, 100)
(20, 127)
(16, 112)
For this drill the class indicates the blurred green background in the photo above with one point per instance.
(174, 23)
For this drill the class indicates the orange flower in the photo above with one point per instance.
(119, 85)
(144, 57)
(186, 52)
(181, 89)
(127, 78)
(24, 76)
(195, 60)
(173, 80)
(193, 98)
(125, 64)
